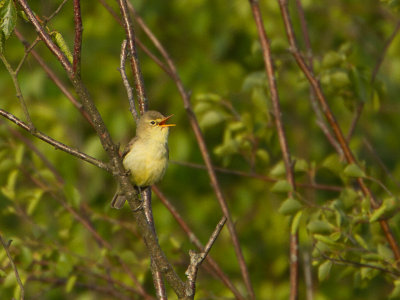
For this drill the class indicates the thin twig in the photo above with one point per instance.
(140, 44)
(78, 38)
(28, 49)
(269, 69)
(315, 186)
(19, 95)
(203, 149)
(194, 239)
(314, 103)
(6, 247)
(128, 88)
(381, 58)
(197, 258)
(55, 143)
(48, 19)
(137, 74)
(333, 122)
(375, 155)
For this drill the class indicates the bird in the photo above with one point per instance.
(146, 155)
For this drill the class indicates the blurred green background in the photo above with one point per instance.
(215, 47)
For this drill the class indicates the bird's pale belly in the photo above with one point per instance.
(147, 164)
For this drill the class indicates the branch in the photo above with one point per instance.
(55, 143)
(197, 258)
(137, 74)
(6, 247)
(332, 121)
(269, 68)
(20, 97)
(128, 88)
(78, 38)
(203, 149)
(194, 239)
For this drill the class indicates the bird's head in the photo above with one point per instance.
(153, 125)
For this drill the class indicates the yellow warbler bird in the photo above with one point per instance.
(146, 155)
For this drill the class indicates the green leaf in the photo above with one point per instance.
(301, 165)
(19, 154)
(9, 189)
(361, 241)
(278, 170)
(296, 222)
(290, 206)
(324, 269)
(385, 252)
(34, 200)
(353, 170)
(378, 213)
(319, 226)
(395, 294)
(333, 163)
(8, 18)
(339, 79)
(70, 283)
(281, 186)
(332, 59)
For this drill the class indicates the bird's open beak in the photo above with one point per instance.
(162, 122)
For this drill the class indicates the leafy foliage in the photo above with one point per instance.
(69, 244)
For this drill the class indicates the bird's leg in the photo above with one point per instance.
(141, 198)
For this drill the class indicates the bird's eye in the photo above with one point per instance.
(152, 122)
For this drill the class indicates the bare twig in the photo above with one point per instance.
(333, 122)
(48, 19)
(375, 155)
(6, 247)
(197, 258)
(140, 44)
(28, 49)
(156, 273)
(314, 103)
(137, 74)
(20, 97)
(78, 38)
(128, 88)
(193, 238)
(269, 68)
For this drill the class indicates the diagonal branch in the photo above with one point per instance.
(55, 143)
(269, 68)
(6, 247)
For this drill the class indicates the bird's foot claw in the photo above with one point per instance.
(139, 207)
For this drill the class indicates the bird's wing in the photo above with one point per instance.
(129, 146)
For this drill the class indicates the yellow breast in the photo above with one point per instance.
(147, 162)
